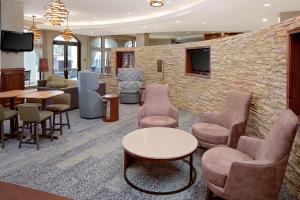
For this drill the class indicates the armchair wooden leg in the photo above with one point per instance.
(36, 136)
(209, 194)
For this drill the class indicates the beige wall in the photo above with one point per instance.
(84, 40)
(255, 61)
(154, 42)
(12, 19)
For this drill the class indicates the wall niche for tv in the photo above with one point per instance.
(198, 61)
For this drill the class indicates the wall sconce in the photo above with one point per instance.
(161, 68)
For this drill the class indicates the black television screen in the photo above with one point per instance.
(201, 60)
(16, 41)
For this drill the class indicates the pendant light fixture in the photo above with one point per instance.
(156, 3)
(37, 34)
(56, 12)
(67, 34)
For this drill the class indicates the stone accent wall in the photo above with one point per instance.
(255, 61)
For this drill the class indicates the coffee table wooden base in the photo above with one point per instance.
(129, 158)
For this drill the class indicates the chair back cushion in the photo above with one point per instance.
(236, 108)
(129, 74)
(29, 112)
(88, 81)
(157, 101)
(62, 99)
(280, 141)
(2, 113)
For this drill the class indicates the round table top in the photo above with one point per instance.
(110, 96)
(160, 143)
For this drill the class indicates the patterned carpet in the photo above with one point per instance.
(87, 163)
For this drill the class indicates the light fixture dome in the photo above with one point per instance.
(156, 3)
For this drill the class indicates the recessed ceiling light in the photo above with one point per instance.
(168, 2)
(144, 27)
(264, 20)
(177, 22)
(129, 13)
(267, 5)
(94, 18)
(204, 23)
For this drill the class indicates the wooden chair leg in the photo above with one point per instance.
(21, 135)
(17, 126)
(51, 129)
(68, 121)
(209, 194)
(60, 121)
(2, 134)
(36, 136)
(53, 120)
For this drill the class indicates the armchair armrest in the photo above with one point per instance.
(236, 131)
(261, 176)
(249, 145)
(141, 114)
(174, 113)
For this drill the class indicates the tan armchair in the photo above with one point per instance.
(157, 110)
(224, 127)
(255, 170)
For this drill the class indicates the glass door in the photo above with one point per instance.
(59, 60)
(66, 57)
(72, 67)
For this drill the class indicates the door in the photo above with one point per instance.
(66, 58)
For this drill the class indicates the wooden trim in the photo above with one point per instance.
(290, 74)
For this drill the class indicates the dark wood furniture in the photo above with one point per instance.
(10, 191)
(114, 108)
(124, 59)
(11, 79)
(293, 90)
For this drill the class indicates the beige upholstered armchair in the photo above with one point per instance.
(255, 170)
(157, 110)
(224, 127)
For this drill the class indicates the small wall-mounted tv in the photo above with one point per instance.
(201, 60)
(16, 41)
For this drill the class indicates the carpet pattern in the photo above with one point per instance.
(86, 162)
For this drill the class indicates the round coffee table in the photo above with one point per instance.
(160, 144)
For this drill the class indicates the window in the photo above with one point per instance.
(31, 63)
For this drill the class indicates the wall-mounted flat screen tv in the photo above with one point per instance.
(16, 41)
(201, 60)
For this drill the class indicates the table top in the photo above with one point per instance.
(160, 143)
(41, 94)
(110, 96)
(15, 93)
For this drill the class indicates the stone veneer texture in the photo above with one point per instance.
(255, 61)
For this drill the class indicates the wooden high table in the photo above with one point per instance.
(43, 95)
(12, 95)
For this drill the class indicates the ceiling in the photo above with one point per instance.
(115, 17)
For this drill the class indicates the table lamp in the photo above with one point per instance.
(43, 66)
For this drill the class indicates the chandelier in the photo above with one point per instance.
(67, 34)
(56, 12)
(156, 3)
(36, 33)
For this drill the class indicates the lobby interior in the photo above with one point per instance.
(150, 99)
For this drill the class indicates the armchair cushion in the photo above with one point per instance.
(158, 121)
(216, 163)
(211, 133)
(58, 107)
(58, 85)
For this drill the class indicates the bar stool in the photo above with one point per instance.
(60, 104)
(30, 114)
(8, 115)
